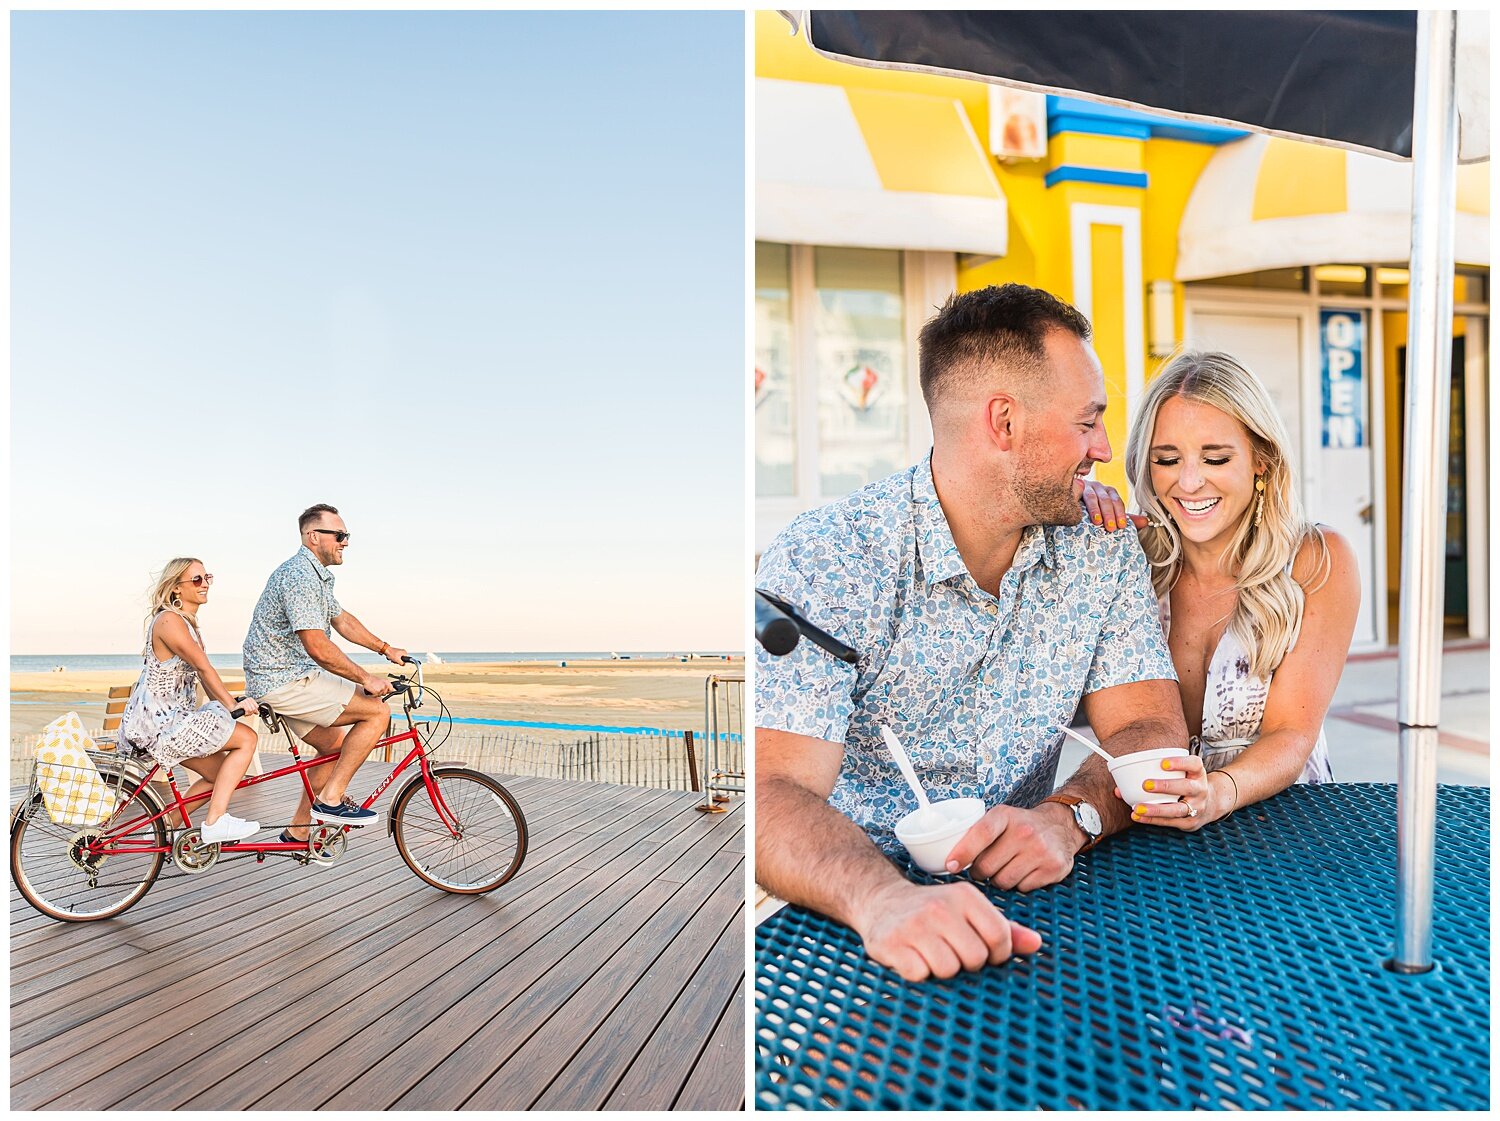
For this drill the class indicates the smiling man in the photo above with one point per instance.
(984, 609)
(292, 664)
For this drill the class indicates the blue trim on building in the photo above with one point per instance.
(1093, 126)
(1072, 114)
(1108, 176)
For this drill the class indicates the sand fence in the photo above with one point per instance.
(663, 758)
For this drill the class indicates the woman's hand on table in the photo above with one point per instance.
(1198, 801)
(1105, 507)
(935, 930)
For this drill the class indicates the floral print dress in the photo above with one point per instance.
(1234, 704)
(163, 717)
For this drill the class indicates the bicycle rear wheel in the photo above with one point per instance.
(472, 844)
(55, 873)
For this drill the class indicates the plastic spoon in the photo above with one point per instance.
(1088, 743)
(903, 761)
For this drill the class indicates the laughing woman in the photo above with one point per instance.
(163, 716)
(1258, 603)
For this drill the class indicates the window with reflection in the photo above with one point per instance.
(775, 403)
(860, 364)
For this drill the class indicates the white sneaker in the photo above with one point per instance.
(228, 828)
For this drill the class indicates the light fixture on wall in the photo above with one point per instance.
(1161, 318)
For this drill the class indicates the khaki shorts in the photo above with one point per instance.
(314, 701)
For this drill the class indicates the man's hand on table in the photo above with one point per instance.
(924, 931)
(1020, 850)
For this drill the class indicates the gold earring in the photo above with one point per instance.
(1260, 498)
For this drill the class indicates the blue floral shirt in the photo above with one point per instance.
(298, 597)
(976, 686)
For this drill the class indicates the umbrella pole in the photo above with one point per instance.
(1424, 498)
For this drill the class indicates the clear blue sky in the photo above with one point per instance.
(475, 278)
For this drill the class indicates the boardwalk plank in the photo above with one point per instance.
(515, 1003)
(420, 1043)
(361, 1012)
(718, 1078)
(444, 965)
(233, 883)
(403, 1045)
(284, 1009)
(256, 940)
(620, 952)
(664, 1065)
(607, 1052)
(247, 902)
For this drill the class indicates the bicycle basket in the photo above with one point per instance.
(71, 786)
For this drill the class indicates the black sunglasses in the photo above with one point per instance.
(339, 535)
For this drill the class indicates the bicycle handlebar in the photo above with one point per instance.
(400, 683)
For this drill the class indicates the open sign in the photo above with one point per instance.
(1343, 358)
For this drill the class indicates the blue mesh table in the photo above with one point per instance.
(1239, 967)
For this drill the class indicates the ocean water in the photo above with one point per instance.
(44, 663)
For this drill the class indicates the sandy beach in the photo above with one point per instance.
(648, 693)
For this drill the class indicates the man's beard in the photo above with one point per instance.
(1047, 501)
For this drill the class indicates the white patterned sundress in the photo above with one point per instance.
(1234, 704)
(163, 717)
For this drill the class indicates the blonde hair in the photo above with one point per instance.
(164, 592)
(1268, 615)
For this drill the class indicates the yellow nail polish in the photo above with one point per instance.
(1149, 785)
(1166, 764)
(1109, 524)
(1097, 519)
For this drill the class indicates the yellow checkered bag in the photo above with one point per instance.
(71, 786)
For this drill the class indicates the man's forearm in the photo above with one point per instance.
(352, 630)
(808, 853)
(1145, 734)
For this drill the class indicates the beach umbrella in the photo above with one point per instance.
(1388, 83)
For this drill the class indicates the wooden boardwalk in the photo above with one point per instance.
(609, 974)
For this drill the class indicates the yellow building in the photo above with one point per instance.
(878, 193)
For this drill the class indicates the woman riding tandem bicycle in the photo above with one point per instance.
(162, 717)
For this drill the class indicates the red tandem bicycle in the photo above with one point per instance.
(455, 827)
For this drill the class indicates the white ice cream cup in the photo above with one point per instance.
(1131, 771)
(929, 833)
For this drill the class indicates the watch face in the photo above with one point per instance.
(1089, 818)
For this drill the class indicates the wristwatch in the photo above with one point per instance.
(1085, 815)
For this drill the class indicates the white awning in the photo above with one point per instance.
(1268, 203)
(873, 169)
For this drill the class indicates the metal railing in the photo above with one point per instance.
(723, 741)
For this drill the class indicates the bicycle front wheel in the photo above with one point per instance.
(469, 839)
(57, 873)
